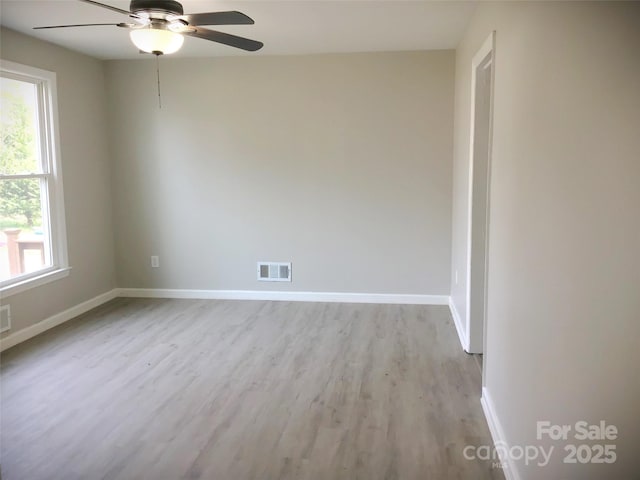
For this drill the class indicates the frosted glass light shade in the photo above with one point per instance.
(153, 40)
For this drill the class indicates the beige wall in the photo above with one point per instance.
(564, 260)
(338, 163)
(86, 174)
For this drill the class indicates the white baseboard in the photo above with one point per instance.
(286, 296)
(497, 435)
(464, 341)
(59, 318)
(55, 320)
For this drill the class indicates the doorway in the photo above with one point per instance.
(479, 177)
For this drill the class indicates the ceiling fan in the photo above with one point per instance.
(159, 26)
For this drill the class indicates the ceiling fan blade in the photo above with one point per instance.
(226, 39)
(109, 7)
(123, 25)
(218, 18)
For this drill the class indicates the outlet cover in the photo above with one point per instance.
(5, 318)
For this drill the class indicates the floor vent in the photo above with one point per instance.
(274, 271)
(5, 318)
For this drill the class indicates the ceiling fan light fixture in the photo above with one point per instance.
(156, 40)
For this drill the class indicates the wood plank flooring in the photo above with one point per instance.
(232, 390)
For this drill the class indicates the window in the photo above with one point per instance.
(32, 231)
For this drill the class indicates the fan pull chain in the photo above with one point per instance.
(158, 76)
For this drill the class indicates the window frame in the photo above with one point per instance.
(50, 177)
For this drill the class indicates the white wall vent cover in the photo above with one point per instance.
(274, 271)
(5, 318)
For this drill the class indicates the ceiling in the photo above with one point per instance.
(286, 27)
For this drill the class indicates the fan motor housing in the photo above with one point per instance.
(156, 6)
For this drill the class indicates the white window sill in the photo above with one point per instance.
(32, 282)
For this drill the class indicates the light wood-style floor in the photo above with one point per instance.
(234, 390)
